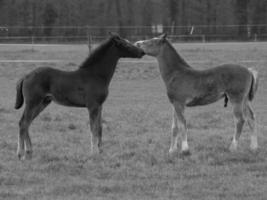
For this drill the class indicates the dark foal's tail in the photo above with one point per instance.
(254, 84)
(19, 96)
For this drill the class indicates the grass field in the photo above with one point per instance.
(137, 119)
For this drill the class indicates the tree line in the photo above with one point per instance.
(133, 17)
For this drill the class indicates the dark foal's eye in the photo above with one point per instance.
(116, 38)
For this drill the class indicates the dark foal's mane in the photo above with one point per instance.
(97, 53)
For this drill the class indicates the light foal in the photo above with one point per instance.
(188, 87)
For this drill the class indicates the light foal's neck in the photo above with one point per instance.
(170, 61)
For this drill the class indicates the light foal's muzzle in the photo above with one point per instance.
(138, 43)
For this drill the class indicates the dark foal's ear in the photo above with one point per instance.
(162, 38)
(114, 35)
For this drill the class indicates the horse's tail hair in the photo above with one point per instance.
(19, 96)
(225, 100)
(254, 84)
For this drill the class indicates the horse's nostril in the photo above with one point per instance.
(143, 53)
(137, 44)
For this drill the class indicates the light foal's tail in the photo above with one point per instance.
(19, 96)
(254, 84)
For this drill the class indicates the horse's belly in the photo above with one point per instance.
(203, 100)
(74, 100)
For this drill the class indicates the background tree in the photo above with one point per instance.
(251, 15)
(241, 9)
(49, 18)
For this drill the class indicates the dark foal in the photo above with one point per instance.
(85, 87)
(189, 87)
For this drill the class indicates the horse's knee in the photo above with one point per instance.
(175, 130)
(250, 113)
(20, 154)
(21, 122)
(22, 129)
(239, 116)
(239, 125)
(28, 155)
(241, 121)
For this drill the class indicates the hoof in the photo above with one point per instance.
(254, 143)
(186, 153)
(253, 148)
(96, 152)
(100, 151)
(20, 155)
(28, 155)
(233, 148)
(172, 150)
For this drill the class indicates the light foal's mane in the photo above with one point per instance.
(174, 55)
(170, 61)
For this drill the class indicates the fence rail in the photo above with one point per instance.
(93, 34)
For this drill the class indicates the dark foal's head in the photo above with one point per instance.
(125, 48)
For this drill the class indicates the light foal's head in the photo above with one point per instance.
(125, 48)
(152, 47)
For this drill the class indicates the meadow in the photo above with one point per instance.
(137, 116)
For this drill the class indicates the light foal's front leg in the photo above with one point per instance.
(179, 111)
(239, 117)
(174, 133)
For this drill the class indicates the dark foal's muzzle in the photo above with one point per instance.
(142, 52)
(138, 44)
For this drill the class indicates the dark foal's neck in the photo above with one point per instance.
(170, 61)
(104, 66)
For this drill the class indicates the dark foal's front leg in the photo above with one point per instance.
(96, 129)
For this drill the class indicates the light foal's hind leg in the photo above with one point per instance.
(252, 125)
(239, 123)
(96, 129)
(179, 108)
(31, 111)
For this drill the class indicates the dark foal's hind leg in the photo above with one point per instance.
(252, 125)
(31, 111)
(239, 123)
(96, 129)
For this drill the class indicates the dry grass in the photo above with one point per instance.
(137, 118)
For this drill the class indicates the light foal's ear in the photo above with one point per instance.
(163, 36)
